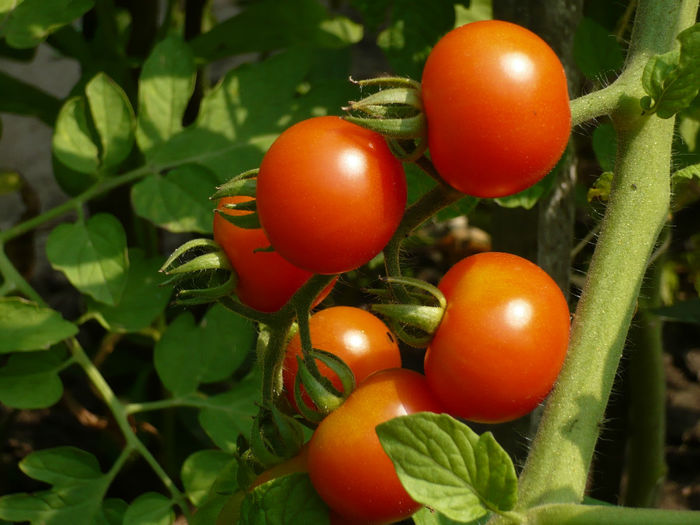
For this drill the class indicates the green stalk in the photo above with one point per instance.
(103, 186)
(430, 203)
(120, 416)
(572, 514)
(14, 280)
(557, 466)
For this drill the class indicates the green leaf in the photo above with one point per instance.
(477, 10)
(70, 181)
(339, 32)
(685, 311)
(178, 201)
(25, 99)
(200, 471)
(443, 464)
(150, 508)
(604, 141)
(672, 80)
(165, 87)
(33, 20)
(289, 500)
(241, 117)
(212, 350)
(113, 510)
(426, 516)
(529, 196)
(76, 495)
(72, 141)
(271, 25)
(31, 381)
(226, 416)
(92, 255)
(113, 117)
(596, 51)
(689, 172)
(414, 28)
(143, 298)
(601, 187)
(26, 326)
(221, 505)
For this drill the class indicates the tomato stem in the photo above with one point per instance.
(557, 466)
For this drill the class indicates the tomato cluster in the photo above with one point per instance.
(331, 194)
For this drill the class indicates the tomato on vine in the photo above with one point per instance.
(266, 281)
(330, 195)
(347, 464)
(502, 339)
(497, 106)
(359, 338)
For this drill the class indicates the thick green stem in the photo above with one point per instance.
(572, 514)
(557, 466)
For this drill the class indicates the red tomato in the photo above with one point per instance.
(330, 195)
(347, 464)
(266, 281)
(502, 340)
(497, 107)
(359, 338)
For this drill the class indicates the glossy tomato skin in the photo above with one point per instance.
(502, 340)
(359, 338)
(497, 107)
(266, 281)
(348, 467)
(330, 195)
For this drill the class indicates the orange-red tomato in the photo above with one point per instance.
(497, 107)
(347, 464)
(330, 195)
(502, 340)
(266, 281)
(359, 338)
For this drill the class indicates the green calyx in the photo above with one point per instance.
(242, 184)
(414, 324)
(324, 396)
(245, 185)
(275, 436)
(396, 112)
(201, 272)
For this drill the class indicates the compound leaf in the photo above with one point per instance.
(443, 464)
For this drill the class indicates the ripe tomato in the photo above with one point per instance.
(497, 107)
(330, 195)
(347, 464)
(266, 281)
(359, 338)
(502, 340)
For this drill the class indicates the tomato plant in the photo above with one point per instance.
(496, 102)
(347, 464)
(502, 339)
(359, 338)
(298, 463)
(266, 281)
(330, 195)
